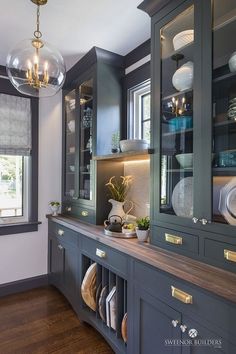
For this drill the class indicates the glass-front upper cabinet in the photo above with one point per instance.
(224, 112)
(176, 115)
(70, 145)
(85, 139)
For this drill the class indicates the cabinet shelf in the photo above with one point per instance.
(176, 94)
(224, 123)
(181, 170)
(224, 171)
(126, 156)
(224, 77)
(184, 131)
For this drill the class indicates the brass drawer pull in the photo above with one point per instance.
(100, 253)
(60, 232)
(230, 255)
(176, 240)
(84, 213)
(181, 295)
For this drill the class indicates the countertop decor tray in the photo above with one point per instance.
(120, 234)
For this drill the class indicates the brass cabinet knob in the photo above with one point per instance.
(183, 328)
(60, 232)
(174, 323)
(84, 213)
(60, 247)
(68, 208)
(195, 220)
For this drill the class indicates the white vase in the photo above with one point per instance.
(118, 209)
(183, 77)
(55, 209)
(232, 63)
(142, 234)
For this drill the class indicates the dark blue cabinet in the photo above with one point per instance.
(153, 329)
(193, 128)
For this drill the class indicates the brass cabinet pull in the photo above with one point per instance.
(176, 240)
(181, 295)
(60, 232)
(230, 255)
(84, 213)
(100, 253)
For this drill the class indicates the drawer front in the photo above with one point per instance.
(223, 253)
(83, 213)
(175, 240)
(62, 233)
(106, 256)
(187, 298)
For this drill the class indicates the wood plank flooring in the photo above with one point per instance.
(41, 321)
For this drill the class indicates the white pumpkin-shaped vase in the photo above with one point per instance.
(183, 77)
(232, 63)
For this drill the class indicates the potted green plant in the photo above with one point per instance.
(54, 207)
(115, 142)
(142, 229)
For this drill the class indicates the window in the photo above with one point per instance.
(18, 161)
(139, 111)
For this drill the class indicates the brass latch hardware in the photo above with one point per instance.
(230, 255)
(176, 240)
(181, 295)
(100, 253)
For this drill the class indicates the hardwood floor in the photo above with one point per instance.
(42, 321)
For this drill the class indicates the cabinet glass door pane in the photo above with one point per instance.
(85, 140)
(224, 111)
(70, 143)
(177, 42)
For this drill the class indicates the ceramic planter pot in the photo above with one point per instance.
(142, 234)
(55, 209)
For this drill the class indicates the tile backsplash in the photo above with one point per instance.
(140, 187)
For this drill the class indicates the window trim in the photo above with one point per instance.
(32, 224)
(134, 109)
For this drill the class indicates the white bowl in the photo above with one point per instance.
(185, 160)
(183, 38)
(183, 77)
(232, 63)
(133, 145)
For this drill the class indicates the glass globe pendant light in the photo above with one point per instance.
(34, 66)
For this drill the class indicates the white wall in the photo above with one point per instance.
(25, 255)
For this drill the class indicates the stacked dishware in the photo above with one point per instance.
(232, 109)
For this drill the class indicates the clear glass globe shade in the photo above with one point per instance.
(46, 63)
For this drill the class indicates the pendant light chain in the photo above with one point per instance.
(38, 33)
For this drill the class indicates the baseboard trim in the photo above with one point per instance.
(23, 285)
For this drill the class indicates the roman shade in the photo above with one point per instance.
(15, 125)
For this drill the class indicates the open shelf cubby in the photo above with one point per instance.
(107, 278)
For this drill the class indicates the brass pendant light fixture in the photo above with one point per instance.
(34, 66)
